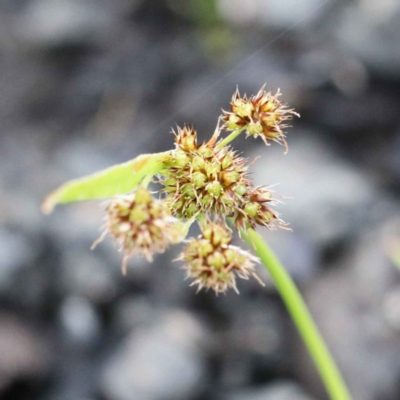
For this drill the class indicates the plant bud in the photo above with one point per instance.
(214, 188)
(242, 108)
(186, 138)
(234, 122)
(226, 161)
(212, 169)
(181, 159)
(199, 179)
(206, 151)
(230, 177)
(251, 209)
(189, 191)
(198, 163)
(241, 190)
(255, 128)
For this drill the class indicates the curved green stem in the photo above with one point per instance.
(298, 311)
(396, 260)
(146, 180)
(394, 254)
(230, 137)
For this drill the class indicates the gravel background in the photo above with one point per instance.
(88, 83)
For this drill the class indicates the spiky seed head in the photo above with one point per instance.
(216, 234)
(240, 189)
(203, 180)
(242, 107)
(213, 263)
(256, 210)
(186, 138)
(141, 224)
(261, 115)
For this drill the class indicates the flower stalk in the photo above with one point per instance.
(231, 137)
(326, 366)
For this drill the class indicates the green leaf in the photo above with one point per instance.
(119, 179)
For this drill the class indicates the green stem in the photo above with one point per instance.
(394, 254)
(230, 137)
(396, 261)
(146, 180)
(297, 308)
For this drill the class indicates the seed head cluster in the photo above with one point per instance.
(255, 209)
(209, 183)
(261, 115)
(212, 180)
(141, 224)
(203, 179)
(213, 263)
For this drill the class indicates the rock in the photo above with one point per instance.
(86, 84)
(329, 199)
(371, 33)
(79, 321)
(167, 279)
(76, 377)
(25, 354)
(256, 339)
(81, 157)
(55, 22)
(91, 274)
(161, 361)
(284, 390)
(392, 162)
(132, 313)
(375, 111)
(16, 254)
(274, 14)
(123, 7)
(391, 307)
(299, 253)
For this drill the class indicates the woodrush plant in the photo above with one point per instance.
(207, 183)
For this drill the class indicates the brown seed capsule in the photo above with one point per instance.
(213, 263)
(261, 115)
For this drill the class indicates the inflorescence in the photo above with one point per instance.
(140, 224)
(208, 183)
(213, 263)
(261, 115)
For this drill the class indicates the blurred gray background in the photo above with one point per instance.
(85, 84)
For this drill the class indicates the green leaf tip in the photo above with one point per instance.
(118, 179)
